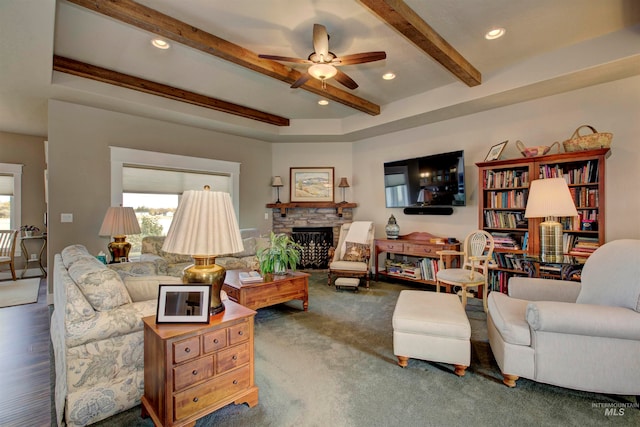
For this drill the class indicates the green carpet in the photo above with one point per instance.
(334, 366)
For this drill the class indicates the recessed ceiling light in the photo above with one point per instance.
(494, 33)
(388, 76)
(323, 102)
(160, 44)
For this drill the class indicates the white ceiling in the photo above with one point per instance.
(550, 46)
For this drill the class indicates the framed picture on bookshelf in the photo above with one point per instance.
(495, 151)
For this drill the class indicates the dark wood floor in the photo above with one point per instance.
(25, 391)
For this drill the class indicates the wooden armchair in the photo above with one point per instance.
(8, 249)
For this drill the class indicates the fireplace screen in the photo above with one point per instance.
(315, 243)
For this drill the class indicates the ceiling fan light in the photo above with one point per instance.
(322, 71)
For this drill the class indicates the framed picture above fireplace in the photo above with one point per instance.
(311, 184)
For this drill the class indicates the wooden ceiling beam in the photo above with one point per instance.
(151, 20)
(401, 17)
(81, 69)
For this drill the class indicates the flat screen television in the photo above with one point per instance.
(434, 180)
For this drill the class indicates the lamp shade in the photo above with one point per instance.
(343, 183)
(276, 181)
(204, 224)
(548, 198)
(119, 221)
(322, 71)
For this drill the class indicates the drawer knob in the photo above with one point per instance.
(234, 357)
(240, 333)
(187, 350)
(195, 399)
(235, 382)
(195, 372)
(215, 341)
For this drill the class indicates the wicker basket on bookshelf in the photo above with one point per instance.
(592, 141)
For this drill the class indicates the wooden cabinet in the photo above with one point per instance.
(191, 370)
(421, 246)
(503, 193)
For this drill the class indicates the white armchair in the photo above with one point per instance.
(353, 255)
(580, 336)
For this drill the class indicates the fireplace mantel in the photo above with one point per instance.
(313, 205)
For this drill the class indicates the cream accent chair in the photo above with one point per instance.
(474, 272)
(8, 249)
(583, 336)
(341, 267)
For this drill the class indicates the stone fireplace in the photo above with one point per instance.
(315, 243)
(288, 218)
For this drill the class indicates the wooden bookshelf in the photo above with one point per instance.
(504, 188)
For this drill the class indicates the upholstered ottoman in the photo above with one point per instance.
(431, 326)
(347, 282)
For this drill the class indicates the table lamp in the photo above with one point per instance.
(204, 226)
(343, 184)
(550, 198)
(118, 222)
(277, 182)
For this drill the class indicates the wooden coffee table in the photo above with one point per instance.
(273, 290)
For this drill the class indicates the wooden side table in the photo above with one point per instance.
(191, 370)
(28, 259)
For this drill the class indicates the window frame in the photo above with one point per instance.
(15, 217)
(121, 156)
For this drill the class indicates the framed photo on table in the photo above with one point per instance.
(311, 184)
(188, 303)
(495, 151)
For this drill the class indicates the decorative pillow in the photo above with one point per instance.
(145, 288)
(355, 252)
(103, 288)
(73, 253)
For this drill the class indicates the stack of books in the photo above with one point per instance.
(250, 277)
(584, 246)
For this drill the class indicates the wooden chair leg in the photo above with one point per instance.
(509, 380)
(460, 370)
(13, 271)
(403, 361)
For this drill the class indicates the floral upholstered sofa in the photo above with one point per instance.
(97, 334)
(173, 264)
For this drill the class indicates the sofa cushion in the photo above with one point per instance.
(355, 252)
(102, 286)
(153, 245)
(145, 288)
(604, 282)
(128, 269)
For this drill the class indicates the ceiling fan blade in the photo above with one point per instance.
(345, 80)
(320, 40)
(301, 80)
(359, 58)
(285, 59)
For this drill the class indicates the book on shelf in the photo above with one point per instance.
(584, 246)
(505, 241)
(250, 277)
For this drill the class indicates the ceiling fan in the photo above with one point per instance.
(324, 62)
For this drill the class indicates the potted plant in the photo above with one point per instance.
(28, 230)
(281, 254)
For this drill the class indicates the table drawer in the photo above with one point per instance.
(192, 372)
(232, 358)
(387, 246)
(186, 349)
(420, 250)
(200, 397)
(238, 333)
(215, 340)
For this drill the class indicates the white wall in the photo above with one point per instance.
(611, 107)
